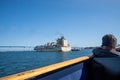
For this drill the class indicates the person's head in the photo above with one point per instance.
(109, 41)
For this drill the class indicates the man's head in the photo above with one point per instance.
(109, 40)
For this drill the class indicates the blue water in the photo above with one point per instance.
(12, 62)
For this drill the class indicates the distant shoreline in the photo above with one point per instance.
(17, 46)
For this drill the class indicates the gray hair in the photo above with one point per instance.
(109, 40)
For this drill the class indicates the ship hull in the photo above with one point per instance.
(63, 49)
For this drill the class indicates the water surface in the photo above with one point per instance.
(12, 62)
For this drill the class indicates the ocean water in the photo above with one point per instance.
(12, 62)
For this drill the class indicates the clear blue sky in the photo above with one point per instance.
(35, 22)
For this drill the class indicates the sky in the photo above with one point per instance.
(36, 22)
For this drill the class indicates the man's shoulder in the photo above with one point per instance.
(100, 52)
(97, 49)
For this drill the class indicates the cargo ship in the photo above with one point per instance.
(61, 44)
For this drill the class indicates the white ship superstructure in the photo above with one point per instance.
(61, 44)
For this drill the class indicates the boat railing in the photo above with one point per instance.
(62, 71)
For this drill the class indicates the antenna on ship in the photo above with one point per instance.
(59, 35)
